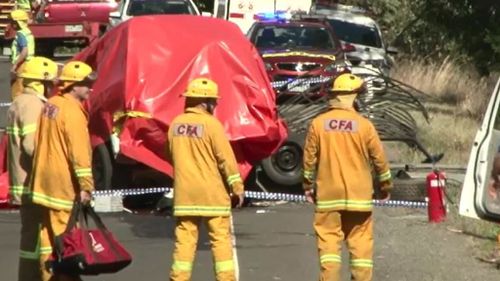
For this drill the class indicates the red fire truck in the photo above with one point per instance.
(59, 23)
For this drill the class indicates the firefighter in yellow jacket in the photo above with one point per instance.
(38, 77)
(340, 147)
(22, 49)
(62, 164)
(204, 169)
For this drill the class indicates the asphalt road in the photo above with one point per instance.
(278, 243)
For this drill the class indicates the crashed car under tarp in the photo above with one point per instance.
(144, 65)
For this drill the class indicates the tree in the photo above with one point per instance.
(468, 30)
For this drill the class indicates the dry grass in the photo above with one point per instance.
(448, 82)
(447, 133)
(456, 103)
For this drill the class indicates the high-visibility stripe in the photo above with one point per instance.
(357, 204)
(308, 174)
(39, 250)
(83, 172)
(51, 201)
(36, 254)
(330, 258)
(221, 266)
(29, 255)
(182, 266)
(361, 263)
(214, 210)
(23, 131)
(45, 250)
(234, 178)
(385, 176)
(19, 190)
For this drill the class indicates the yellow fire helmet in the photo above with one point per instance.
(202, 88)
(19, 15)
(348, 83)
(39, 68)
(77, 71)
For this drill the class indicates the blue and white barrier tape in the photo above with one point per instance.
(300, 81)
(253, 195)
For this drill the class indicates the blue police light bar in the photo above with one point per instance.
(278, 15)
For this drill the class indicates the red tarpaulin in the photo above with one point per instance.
(145, 64)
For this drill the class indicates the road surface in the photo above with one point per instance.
(278, 243)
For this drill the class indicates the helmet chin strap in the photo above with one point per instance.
(210, 107)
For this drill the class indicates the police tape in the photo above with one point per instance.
(258, 195)
(300, 81)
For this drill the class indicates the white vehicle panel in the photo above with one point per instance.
(475, 200)
(243, 12)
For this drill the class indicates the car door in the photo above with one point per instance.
(479, 199)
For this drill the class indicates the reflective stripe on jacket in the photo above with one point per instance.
(204, 165)
(340, 146)
(23, 5)
(30, 41)
(22, 119)
(62, 164)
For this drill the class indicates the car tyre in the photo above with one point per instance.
(409, 189)
(285, 166)
(102, 167)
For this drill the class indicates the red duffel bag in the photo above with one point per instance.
(84, 251)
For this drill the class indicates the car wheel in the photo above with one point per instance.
(102, 167)
(285, 166)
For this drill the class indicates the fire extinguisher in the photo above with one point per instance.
(436, 188)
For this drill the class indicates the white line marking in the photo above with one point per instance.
(235, 254)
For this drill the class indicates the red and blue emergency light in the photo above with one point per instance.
(273, 16)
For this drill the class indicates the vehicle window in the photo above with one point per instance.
(355, 33)
(156, 7)
(285, 37)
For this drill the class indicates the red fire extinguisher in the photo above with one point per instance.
(436, 185)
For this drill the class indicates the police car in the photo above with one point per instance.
(353, 26)
(299, 51)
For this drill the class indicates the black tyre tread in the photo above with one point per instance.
(409, 189)
(277, 177)
(103, 155)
